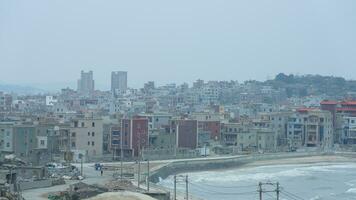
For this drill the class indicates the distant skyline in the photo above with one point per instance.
(46, 44)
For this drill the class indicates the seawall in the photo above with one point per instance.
(177, 167)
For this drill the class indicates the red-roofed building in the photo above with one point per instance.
(342, 112)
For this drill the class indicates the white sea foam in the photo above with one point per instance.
(351, 190)
(265, 173)
(315, 180)
(317, 197)
(249, 176)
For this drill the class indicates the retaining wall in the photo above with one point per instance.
(221, 163)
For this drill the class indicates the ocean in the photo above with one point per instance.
(321, 181)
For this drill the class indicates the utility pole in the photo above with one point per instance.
(277, 191)
(260, 189)
(10, 176)
(81, 164)
(175, 188)
(186, 187)
(148, 175)
(139, 160)
(138, 172)
(121, 156)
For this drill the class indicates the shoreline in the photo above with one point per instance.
(320, 160)
(179, 167)
(327, 159)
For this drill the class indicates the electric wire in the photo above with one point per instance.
(288, 196)
(291, 194)
(199, 187)
(227, 187)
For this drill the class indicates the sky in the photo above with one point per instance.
(46, 44)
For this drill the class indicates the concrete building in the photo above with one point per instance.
(348, 135)
(157, 120)
(247, 137)
(135, 134)
(86, 83)
(208, 132)
(30, 145)
(310, 128)
(6, 137)
(229, 133)
(210, 94)
(278, 122)
(5, 101)
(186, 132)
(118, 82)
(51, 100)
(86, 136)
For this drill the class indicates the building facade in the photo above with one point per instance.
(118, 82)
(86, 83)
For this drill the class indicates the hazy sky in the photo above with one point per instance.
(47, 43)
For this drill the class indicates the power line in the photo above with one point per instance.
(291, 194)
(288, 196)
(272, 197)
(228, 187)
(198, 187)
(261, 190)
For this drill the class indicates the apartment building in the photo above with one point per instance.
(310, 128)
(6, 137)
(85, 136)
(186, 132)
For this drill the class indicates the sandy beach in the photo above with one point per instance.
(303, 160)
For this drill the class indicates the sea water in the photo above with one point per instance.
(322, 181)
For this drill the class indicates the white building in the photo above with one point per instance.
(51, 100)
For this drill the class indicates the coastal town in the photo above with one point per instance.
(82, 143)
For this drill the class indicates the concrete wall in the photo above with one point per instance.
(220, 163)
(35, 184)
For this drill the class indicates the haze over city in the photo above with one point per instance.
(47, 43)
(177, 100)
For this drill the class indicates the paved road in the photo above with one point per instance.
(92, 177)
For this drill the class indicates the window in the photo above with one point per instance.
(88, 143)
(8, 144)
(92, 134)
(93, 124)
(83, 124)
(73, 144)
(88, 133)
(73, 134)
(42, 142)
(92, 143)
